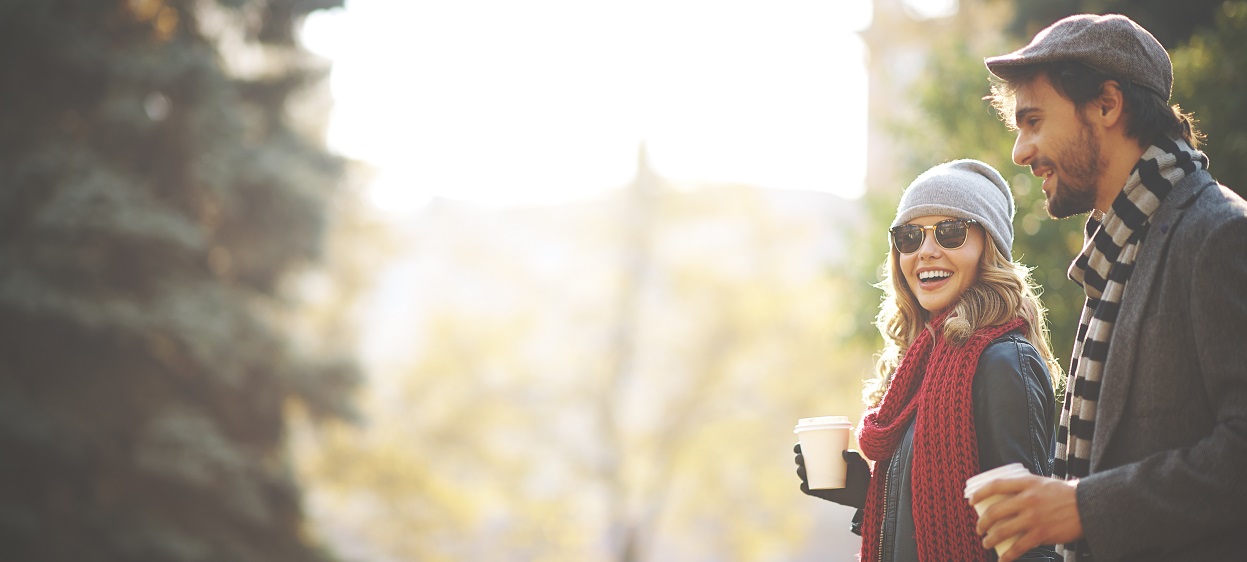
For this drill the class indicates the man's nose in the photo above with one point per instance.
(1023, 150)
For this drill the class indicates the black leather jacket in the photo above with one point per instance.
(1014, 420)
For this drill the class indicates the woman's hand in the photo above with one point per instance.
(857, 480)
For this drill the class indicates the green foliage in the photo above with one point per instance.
(1211, 78)
(1170, 22)
(865, 271)
(152, 201)
(632, 376)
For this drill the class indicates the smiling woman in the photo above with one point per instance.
(963, 379)
(535, 102)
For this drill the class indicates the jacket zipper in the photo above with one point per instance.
(883, 521)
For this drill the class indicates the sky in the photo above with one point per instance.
(542, 101)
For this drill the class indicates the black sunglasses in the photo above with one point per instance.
(949, 234)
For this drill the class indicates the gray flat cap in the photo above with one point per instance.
(966, 189)
(1112, 44)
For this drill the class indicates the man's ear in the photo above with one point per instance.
(1108, 108)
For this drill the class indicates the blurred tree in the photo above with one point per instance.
(716, 343)
(763, 337)
(864, 270)
(451, 481)
(155, 195)
(1171, 22)
(1211, 82)
(608, 381)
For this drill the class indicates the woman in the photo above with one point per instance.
(963, 382)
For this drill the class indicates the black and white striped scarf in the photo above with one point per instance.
(1105, 265)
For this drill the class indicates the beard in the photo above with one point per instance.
(1074, 188)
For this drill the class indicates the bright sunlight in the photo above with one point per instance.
(546, 101)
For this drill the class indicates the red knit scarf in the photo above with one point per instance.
(932, 385)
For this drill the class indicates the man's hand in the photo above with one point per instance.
(1040, 510)
(857, 480)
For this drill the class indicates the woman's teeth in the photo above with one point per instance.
(930, 275)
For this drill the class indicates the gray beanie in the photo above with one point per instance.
(964, 189)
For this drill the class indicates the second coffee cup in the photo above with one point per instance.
(978, 481)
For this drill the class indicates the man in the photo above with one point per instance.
(1152, 446)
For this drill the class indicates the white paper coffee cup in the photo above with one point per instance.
(979, 480)
(823, 442)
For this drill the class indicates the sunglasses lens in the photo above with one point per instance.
(907, 238)
(951, 234)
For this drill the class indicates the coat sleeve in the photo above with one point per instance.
(1189, 491)
(1013, 413)
(1013, 407)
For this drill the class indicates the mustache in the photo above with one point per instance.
(1042, 162)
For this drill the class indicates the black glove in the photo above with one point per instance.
(853, 494)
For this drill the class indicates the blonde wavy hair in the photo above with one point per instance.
(1003, 290)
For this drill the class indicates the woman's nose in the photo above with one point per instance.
(930, 248)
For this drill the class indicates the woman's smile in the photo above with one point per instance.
(937, 275)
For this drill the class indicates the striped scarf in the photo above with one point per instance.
(1111, 244)
(932, 387)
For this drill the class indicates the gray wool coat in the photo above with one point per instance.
(1169, 455)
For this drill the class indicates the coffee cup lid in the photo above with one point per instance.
(822, 422)
(1007, 471)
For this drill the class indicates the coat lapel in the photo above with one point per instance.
(1119, 366)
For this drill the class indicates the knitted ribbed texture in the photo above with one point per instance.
(932, 386)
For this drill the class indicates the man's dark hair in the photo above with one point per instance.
(1147, 115)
